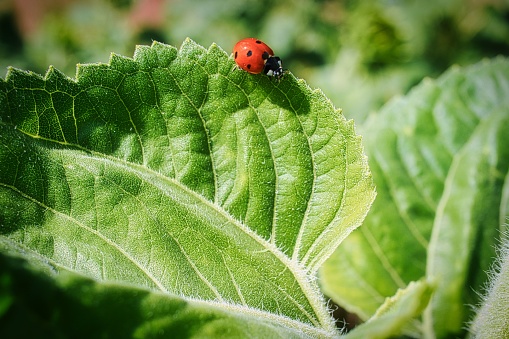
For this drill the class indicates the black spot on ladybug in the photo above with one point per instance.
(235, 55)
(249, 53)
(258, 41)
(248, 66)
(265, 55)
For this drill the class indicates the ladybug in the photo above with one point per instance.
(255, 57)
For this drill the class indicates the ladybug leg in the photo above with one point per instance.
(235, 66)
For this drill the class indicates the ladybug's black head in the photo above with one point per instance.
(274, 67)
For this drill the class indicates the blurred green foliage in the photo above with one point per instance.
(359, 53)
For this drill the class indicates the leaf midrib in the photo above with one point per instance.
(298, 272)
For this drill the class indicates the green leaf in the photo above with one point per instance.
(175, 172)
(396, 314)
(440, 157)
(466, 225)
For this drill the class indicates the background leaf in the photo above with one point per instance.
(397, 314)
(173, 172)
(440, 158)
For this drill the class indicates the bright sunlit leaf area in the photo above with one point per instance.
(177, 173)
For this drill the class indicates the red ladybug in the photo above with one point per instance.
(254, 56)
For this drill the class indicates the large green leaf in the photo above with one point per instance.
(440, 157)
(176, 172)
